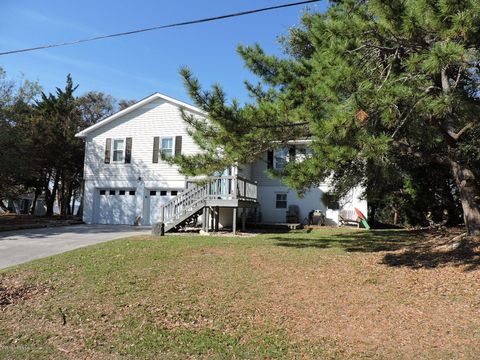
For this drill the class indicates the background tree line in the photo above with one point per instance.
(39, 153)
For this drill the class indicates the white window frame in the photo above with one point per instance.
(123, 150)
(303, 153)
(160, 154)
(275, 163)
(286, 200)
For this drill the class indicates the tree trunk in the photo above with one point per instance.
(371, 215)
(72, 209)
(38, 191)
(451, 204)
(63, 202)
(469, 195)
(3, 207)
(46, 191)
(68, 198)
(63, 195)
(81, 192)
(51, 198)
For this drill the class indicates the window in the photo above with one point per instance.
(102, 192)
(121, 192)
(153, 193)
(166, 147)
(281, 200)
(118, 150)
(163, 193)
(280, 158)
(132, 192)
(303, 153)
(112, 192)
(174, 193)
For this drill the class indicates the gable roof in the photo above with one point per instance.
(155, 96)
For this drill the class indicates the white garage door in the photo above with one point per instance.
(115, 206)
(156, 199)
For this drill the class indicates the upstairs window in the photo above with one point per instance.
(280, 158)
(303, 153)
(166, 147)
(118, 150)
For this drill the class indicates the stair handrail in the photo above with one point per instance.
(214, 187)
(181, 201)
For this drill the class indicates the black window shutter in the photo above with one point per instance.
(291, 153)
(156, 144)
(128, 150)
(178, 145)
(270, 159)
(108, 147)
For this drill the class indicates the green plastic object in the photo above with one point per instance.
(365, 224)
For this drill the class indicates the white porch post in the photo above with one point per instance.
(207, 219)
(234, 223)
(204, 219)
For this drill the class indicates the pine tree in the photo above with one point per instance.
(380, 84)
(58, 120)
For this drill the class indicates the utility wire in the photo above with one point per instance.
(184, 23)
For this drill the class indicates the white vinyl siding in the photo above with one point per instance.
(158, 118)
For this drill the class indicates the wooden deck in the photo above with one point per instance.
(207, 197)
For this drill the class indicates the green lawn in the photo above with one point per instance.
(334, 293)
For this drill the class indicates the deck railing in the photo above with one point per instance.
(209, 190)
(246, 190)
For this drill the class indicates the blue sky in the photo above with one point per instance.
(135, 66)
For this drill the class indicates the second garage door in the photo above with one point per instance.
(156, 199)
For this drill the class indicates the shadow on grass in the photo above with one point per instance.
(371, 241)
(426, 256)
(413, 249)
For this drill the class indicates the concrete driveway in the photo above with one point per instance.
(17, 247)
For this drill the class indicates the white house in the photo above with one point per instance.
(127, 181)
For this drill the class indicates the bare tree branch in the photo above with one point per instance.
(457, 135)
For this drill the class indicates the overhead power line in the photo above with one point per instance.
(184, 23)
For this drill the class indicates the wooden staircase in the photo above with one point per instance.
(219, 191)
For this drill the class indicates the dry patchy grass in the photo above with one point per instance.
(334, 293)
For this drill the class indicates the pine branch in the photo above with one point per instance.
(285, 125)
(424, 157)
